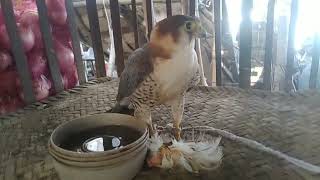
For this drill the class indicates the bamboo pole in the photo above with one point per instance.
(96, 38)
(227, 42)
(82, 3)
(193, 10)
(185, 7)
(169, 7)
(267, 81)
(217, 43)
(315, 63)
(148, 15)
(135, 23)
(112, 54)
(117, 35)
(291, 42)
(245, 45)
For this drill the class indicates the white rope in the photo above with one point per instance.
(315, 170)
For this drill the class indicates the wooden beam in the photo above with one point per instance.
(217, 32)
(169, 7)
(227, 41)
(245, 45)
(148, 15)
(315, 63)
(291, 42)
(135, 23)
(268, 58)
(192, 8)
(82, 3)
(96, 38)
(185, 7)
(117, 35)
(18, 52)
(73, 28)
(48, 44)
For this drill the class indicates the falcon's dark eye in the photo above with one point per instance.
(188, 26)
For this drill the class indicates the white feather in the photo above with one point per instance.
(155, 143)
(167, 162)
(186, 164)
(199, 156)
(192, 156)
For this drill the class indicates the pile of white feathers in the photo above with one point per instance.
(192, 156)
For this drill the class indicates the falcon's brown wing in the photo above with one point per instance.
(137, 68)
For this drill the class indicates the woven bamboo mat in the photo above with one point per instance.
(286, 122)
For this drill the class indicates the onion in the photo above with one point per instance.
(11, 104)
(65, 56)
(41, 88)
(65, 82)
(31, 19)
(5, 60)
(37, 37)
(8, 83)
(70, 78)
(37, 63)
(1, 17)
(2, 109)
(27, 37)
(4, 38)
(62, 34)
(57, 12)
(24, 5)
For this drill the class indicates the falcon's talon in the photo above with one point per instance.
(177, 133)
(152, 131)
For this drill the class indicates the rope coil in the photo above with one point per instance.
(313, 169)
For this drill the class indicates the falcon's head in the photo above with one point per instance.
(176, 32)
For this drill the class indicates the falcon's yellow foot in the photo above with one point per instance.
(177, 133)
(152, 131)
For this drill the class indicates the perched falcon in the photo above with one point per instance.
(161, 71)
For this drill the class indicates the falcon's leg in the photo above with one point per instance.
(177, 108)
(144, 114)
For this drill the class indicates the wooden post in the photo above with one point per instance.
(291, 42)
(96, 38)
(135, 23)
(192, 7)
(227, 41)
(268, 58)
(245, 45)
(117, 35)
(194, 12)
(75, 41)
(280, 51)
(315, 63)
(18, 53)
(217, 26)
(185, 7)
(169, 7)
(48, 44)
(148, 15)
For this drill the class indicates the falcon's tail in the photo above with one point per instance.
(121, 110)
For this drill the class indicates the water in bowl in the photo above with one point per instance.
(100, 139)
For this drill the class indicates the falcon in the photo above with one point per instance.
(161, 72)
